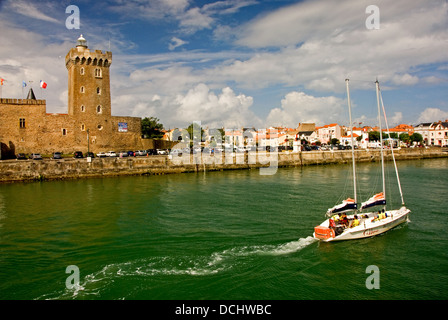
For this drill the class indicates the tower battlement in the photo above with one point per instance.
(88, 57)
(82, 55)
(22, 101)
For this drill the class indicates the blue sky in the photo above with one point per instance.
(239, 63)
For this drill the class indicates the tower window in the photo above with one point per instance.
(83, 127)
(98, 90)
(64, 132)
(22, 123)
(99, 109)
(98, 73)
(82, 90)
(81, 71)
(83, 108)
(100, 127)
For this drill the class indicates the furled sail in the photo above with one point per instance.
(346, 205)
(376, 200)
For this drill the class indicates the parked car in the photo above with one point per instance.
(111, 154)
(151, 152)
(21, 156)
(57, 155)
(123, 154)
(176, 152)
(131, 153)
(78, 154)
(35, 156)
(161, 151)
(90, 154)
(101, 155)
(141, 153)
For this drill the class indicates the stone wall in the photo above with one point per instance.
(46, 133)
(34, 170)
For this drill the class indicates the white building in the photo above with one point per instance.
(328, 132)
(433, 133)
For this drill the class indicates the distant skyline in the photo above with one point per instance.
(234, 63)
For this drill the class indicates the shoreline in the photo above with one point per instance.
(70, 169)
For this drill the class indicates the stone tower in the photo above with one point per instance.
(89, 91)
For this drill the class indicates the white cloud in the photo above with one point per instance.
(405, 79)
(176, 42)
(23, 64)
(226, 109)
(396, 119)
(29, 9)
(433, 114)
(320, 43)
(299, 107)
(189, 17)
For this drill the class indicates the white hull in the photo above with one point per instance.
(366, 227)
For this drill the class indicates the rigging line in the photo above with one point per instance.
(392, 150)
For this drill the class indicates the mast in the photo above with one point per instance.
(381, 136)
(353, 146)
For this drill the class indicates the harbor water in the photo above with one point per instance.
(221, 235)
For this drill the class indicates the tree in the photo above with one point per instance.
(405, 137)
(334, 141)
(151, 128)
(393, 135)
(375, 136)
(195, 132)
(416, 137)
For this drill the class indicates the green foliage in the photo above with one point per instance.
(417, 137)
(151, 128)
(195, 131)
(375, 136)
(334, 141)
(405, 138)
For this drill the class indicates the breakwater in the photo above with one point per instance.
(68, 168)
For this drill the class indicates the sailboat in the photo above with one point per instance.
(359, 223)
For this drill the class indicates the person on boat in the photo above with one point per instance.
(336, 217)
(355, 222)
(344, 220)
(331, 223)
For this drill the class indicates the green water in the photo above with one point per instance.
(219, 235)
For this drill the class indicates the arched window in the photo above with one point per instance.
(98, 72)
(83, 127)
(64, 132)
(98, 90)
(81, 71)
(98, 109)
(82, 89)
(83, 108)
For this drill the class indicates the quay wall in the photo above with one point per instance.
(69, 168)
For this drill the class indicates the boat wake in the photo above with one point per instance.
(95, 283)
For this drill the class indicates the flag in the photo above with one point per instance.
(23, 83)
(43, 84)
(1, 81)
